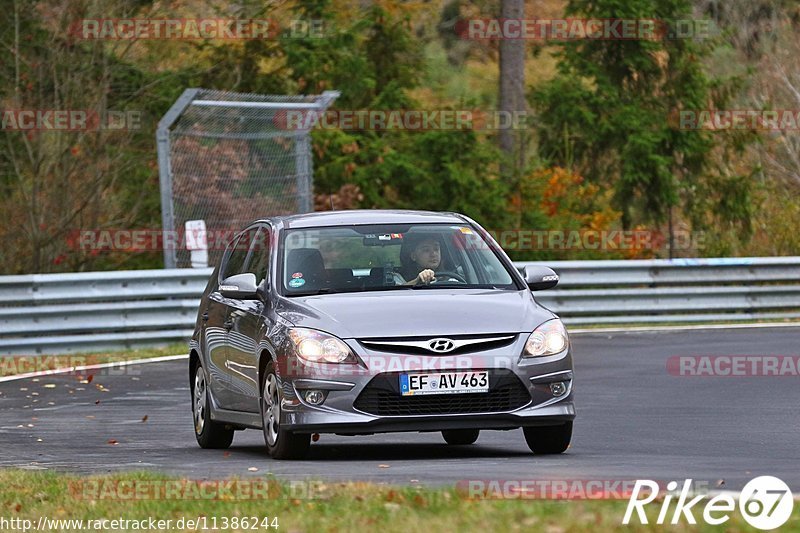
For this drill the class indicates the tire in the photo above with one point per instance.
(281, 444)
(209, 434)
(548, 440)
(460, 436)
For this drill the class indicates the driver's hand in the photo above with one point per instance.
(426, 276)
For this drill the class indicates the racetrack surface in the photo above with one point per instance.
(635, 420)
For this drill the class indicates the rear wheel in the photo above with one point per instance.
(545, 440)
(460, 436)
(281, 444)
(209, 434)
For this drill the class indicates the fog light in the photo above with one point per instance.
(559, 388)
(314, 397)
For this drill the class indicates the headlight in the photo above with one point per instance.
(548, 339)
(317, 347)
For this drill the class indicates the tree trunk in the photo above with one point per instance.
(512, 91)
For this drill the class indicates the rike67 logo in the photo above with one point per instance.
(765, 503)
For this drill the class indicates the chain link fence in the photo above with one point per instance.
(228, 159)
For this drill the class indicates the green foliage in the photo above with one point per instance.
(376, 62)
(611, 112)
(609, 116)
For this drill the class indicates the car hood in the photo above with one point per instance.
(416, 312)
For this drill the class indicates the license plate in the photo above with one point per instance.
(444, 383)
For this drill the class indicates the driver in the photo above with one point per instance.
(420, 257)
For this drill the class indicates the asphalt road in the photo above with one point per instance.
(635, 420)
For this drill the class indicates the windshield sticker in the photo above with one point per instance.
(466, 231)
(297, 275)
(297, 282)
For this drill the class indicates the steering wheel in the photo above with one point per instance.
(447, 275)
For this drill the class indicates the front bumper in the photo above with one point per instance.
(344, 384)
(310, 421)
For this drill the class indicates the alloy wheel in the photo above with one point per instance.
(199, 401)
(271, 411)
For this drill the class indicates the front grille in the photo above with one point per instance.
(405, 345)
(382, 397)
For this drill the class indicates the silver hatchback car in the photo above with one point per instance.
(362, 322)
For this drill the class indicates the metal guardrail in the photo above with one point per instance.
(680, 290)
(89, 311)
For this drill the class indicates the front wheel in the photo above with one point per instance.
(281, 444)
(209, 434)
(460, 436)
(546, 440)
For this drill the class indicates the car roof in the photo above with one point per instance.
(366, 216)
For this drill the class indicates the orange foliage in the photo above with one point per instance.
(571, 204)
(348, 197)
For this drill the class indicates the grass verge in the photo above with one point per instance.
(23, 364)
(352, 506)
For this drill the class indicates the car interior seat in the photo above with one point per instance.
(308, 263)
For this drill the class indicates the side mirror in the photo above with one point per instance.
(540, 278)
(240, 287)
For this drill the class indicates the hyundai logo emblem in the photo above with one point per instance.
(441, 345)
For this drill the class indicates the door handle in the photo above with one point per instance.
(204, 316)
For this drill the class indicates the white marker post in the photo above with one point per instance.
(197, 242)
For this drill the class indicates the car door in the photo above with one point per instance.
(218, 325)
(247, 321)
(213, 337)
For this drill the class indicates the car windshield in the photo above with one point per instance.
(389, 257)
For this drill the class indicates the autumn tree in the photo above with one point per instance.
(610, 113)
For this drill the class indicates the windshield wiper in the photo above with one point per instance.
(454, 286)
(311, 293)
(342, 290)
(387, 288)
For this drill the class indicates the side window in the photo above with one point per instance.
(236, 255)
(258, 262)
